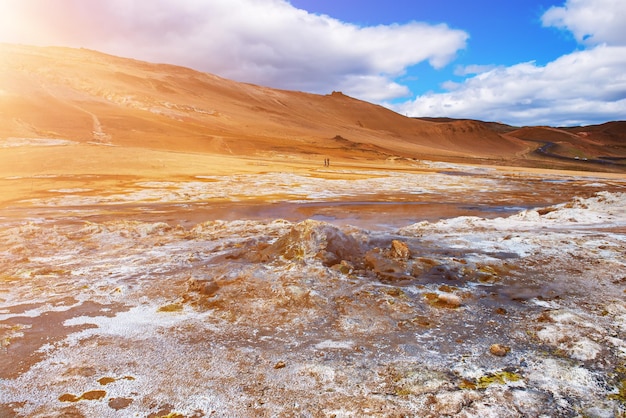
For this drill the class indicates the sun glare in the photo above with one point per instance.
(21, 23)
(10, 22)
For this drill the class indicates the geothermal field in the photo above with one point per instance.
(173, 244)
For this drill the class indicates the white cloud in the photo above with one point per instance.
(268, 42)
(591, 21)
(577, 88)
(583, 87)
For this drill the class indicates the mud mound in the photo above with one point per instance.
(312, 239)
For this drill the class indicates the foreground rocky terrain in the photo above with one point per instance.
(105, 311)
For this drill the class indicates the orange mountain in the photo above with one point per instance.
(93, 100)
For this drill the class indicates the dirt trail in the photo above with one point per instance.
(99, 136)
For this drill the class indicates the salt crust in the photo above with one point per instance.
(573, 331)
(270, 185)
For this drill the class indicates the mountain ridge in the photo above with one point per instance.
(95, 98)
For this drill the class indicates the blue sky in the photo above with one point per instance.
(500, 32)
(522, 62)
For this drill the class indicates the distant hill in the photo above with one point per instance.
(93, 98)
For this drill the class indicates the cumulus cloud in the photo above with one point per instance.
(268, 42)
(577, 88)
(583, 87)
(591, 22)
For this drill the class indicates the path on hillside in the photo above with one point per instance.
(98, 135)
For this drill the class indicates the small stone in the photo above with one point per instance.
(172, 307)
(280, 365)
(448, 300)
(344, 267)
(203, 287)
(106, 380)
(400, 250)
(93, 395)
(68, 397)
(499, 350)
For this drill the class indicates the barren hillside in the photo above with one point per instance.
(91, 98)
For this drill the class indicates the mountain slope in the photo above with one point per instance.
(596, 145)
(93, 98)
(88, 96)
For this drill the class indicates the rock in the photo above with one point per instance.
(450, 300)
(280, 365)
(399, 250)
(387, 269)
(499, 350)
(345, 267)
(119, 403)
(206, 287)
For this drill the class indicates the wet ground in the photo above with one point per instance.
(375, 200)
(458, 293)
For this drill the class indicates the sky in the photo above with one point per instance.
(521, 62)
